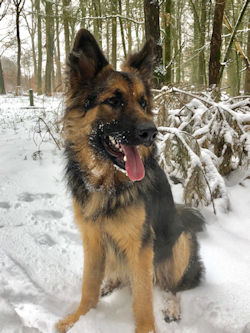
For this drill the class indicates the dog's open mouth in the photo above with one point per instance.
(125, 157)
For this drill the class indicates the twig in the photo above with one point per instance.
(41, 119)
(231, 112)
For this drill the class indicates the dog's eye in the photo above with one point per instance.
(143, 103)
(114, 101)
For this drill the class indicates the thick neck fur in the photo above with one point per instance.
(98, 201)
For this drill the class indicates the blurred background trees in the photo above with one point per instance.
(199, 43)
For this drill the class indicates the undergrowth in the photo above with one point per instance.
(202, 143)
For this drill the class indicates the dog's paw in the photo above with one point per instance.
(65, 324)
(172, 310)
(145, 330)
(169, 316)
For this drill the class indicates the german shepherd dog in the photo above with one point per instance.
(132, 232)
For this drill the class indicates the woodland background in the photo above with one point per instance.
(201, 75)
(202, 109)
(200, 43)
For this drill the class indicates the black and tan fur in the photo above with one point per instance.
(133, 234)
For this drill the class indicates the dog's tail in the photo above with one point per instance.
(191, 218)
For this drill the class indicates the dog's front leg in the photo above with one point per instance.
(93, 273)
(141, 266)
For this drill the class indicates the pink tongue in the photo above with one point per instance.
(134, 165)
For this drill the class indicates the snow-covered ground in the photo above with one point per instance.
(41, 253)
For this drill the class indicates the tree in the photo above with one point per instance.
(39, 47)
(167, 47)
(82, 5)
(97, 22)
(58, 53)
(49, 46)
(200, 19)
(114, 33)
(122, 29)
(31, 26)
(247, 77)
(129, 26)
(2, 86)
(177, 38)
(196, 35)
(65, 17)
(3, 13)
(202, 78)
(19, 4)
(215, 45)
(152, 30)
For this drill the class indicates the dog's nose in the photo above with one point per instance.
(146, 133)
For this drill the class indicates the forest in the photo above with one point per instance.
(201, 106)
(199, 43)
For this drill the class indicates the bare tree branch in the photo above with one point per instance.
(244, 7)
(3, 9)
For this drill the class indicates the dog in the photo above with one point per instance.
(133, 233)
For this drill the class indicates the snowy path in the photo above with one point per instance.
(41, 253)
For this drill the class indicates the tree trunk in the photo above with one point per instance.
(129, 30)
(114, 33)
(18, 82)
(39, 48)
(107, 33)
(2, 86)
(58, 56)
(233, 75)
(152, 30)
(215, 45)
(32, 31)
(83, 12)
(247, 77)
(167, 40)
(18, 9)
(178, 40)
(66, 3)
(96, 10)
(49, 47)
(196, 44)
(202, 62)
(122, 30)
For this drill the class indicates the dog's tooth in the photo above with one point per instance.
(125, 158)
(112, 140)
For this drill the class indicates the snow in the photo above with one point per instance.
(41, 253)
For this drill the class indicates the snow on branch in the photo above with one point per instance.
(202, 143)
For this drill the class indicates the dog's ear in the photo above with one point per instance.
(86, 59)
(142, 62)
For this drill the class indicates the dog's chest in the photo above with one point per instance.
(122, 237)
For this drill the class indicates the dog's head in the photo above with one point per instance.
(109, 121)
